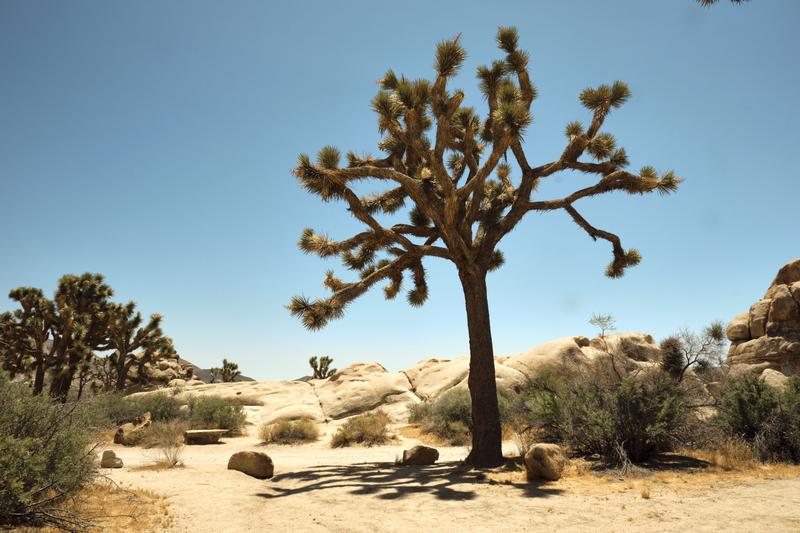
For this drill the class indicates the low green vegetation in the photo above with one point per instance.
(767, 419)
(167, 411)
(594, 412)
(289, 432)
(448, 417)
(45, 456)
(369, 429)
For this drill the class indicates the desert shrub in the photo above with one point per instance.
(45, 456)
(160, 434)
(368, 429)
(114, 409)
(767, 419)
(629, 417)
(289, 432)
(213, 412)
(449, 416)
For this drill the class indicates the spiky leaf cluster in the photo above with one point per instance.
(458, 179)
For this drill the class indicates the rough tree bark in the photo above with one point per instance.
(486, 433)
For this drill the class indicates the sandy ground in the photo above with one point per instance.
(316, 488)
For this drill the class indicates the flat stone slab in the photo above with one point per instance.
(203, 436)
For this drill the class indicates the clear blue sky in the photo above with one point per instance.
(153, 141)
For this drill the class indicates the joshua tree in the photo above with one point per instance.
(322, 368)
(132, 343)
(227, 373)
(460, 211)
(78, 326)
(58, 335)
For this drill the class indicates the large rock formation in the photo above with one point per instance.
(768, 335)
(364, 387)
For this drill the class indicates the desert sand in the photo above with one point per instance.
(316, 488)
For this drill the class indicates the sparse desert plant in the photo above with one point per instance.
(289, 432)
(449, 416)
(160, 434)
(594, 412)
(213, 412)
(368, 429)
(45, 457)
(171, 455)
(321, 367)
(244, 400)
(686, 349)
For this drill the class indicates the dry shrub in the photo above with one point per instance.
(244, 400)
(730, 454)
(289, 432)
(369, 429)
(108, 508)
(160, 434)
(645, 491)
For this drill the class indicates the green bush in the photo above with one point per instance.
(767, 419)
(449, 416)
(369, 429)
(213, 412)
(289, 432)
(114, 409)
(596, 413)
(45, 456)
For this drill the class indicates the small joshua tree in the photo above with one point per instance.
(322, 367)
(463, 196)
(227, 373)
(134, 344)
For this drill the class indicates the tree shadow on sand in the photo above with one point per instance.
(387, 481)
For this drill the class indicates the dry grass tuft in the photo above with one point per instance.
(289, 432)
(369, 429)
(729, 454)
(112, 509)
(645, 491)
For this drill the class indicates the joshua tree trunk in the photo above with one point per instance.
(60, 386)
(486, 440)
(38, 382)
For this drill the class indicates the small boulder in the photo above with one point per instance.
(255, 464)
(110, 460)
(420, 455)
(545, 461)
(125, 434)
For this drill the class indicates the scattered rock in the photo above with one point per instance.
(420, 455)
(126, 433)
(256, 464)
(203, 436)
(110, 460)
(545, 461)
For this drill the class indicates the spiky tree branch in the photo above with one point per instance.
(462, 193)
